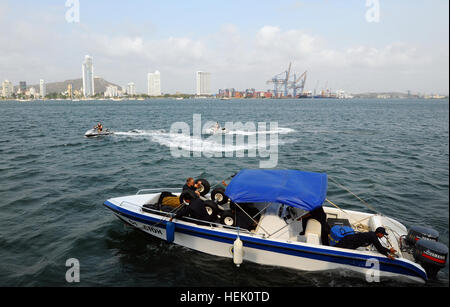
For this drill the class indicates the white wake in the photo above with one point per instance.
(210, 143)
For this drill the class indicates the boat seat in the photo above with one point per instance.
(313, 232)
(375, 221)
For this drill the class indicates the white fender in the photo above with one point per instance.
(238, 252)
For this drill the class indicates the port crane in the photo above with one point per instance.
(279, 81)
(298, 85)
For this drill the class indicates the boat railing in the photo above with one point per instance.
(130, 204)
(145, 191)
(196, 221)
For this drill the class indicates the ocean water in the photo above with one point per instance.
(53, 181)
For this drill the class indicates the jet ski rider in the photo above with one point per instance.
(99, 127)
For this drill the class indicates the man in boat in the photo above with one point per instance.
(191, 185)
(193, 207)
(319, 215)
(365, 239)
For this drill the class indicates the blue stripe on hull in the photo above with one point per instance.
(344, 258)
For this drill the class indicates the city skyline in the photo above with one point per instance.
(406, 50)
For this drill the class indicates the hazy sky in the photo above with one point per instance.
(242, 43)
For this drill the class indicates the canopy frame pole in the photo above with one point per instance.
(252, 219)
(288, 224)
(270, 204)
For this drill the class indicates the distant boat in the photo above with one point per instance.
(179, 98)
(95, 133)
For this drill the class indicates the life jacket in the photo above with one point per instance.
(338, 232)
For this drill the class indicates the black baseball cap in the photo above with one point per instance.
(381, 230)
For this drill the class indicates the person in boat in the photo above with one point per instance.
(217, 128)
(224, 182)
(319, 215)
(99, 127)
(191, 185)
(365, 239)
(193, 207)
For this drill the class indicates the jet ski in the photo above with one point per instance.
(216, 130)
(95, 132)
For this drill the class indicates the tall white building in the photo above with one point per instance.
(154, 83)
(7, 89)
(203, 83)
(42, 88)
(131, 89)
(112, 91)
(32, 92)
(88, 76)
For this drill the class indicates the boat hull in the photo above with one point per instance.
(293, 255)
(94, 133)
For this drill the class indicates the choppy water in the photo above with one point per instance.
(53, 181)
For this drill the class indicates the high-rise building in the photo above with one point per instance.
(42, 88)
(154, 84)
(7, 89)
(22, 87)
(70, 90)
(131, 89)
(32, 92)
(111, 91)
(203, 83)
(88, 76)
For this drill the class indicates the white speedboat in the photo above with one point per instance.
(280, 198)
(95, 133)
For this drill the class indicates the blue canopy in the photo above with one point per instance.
(294, 188)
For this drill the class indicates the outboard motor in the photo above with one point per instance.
(417, 233)
(431, 255)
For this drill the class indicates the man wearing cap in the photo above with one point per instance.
(365, 239)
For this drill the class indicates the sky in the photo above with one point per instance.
(349, 45)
